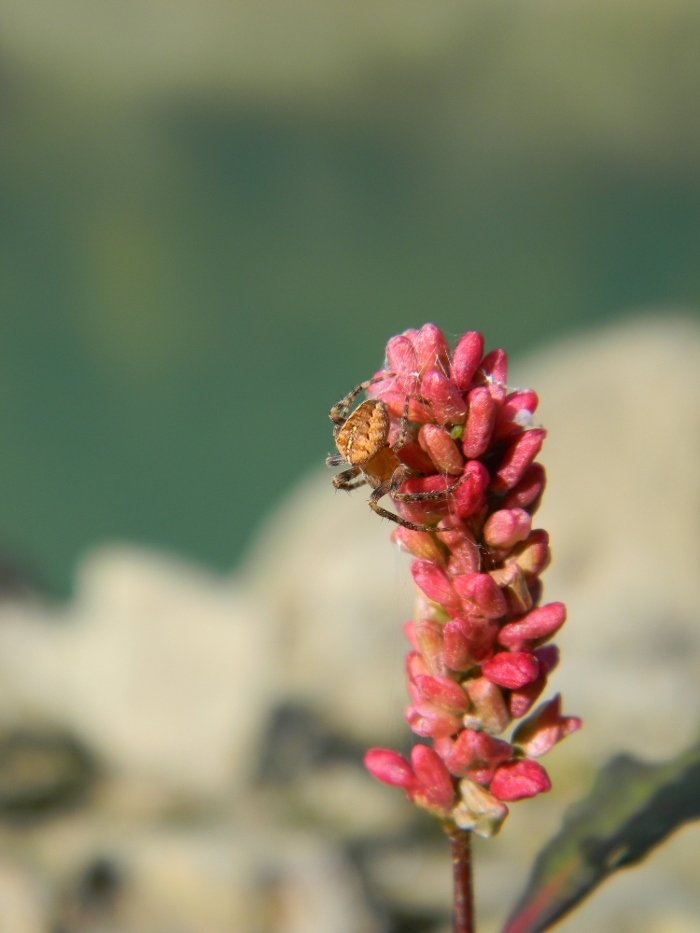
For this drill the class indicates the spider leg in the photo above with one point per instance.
(344, 480)
(339, 412)
(420, 496)
(404, 425)
(335, 460)
(381, 491)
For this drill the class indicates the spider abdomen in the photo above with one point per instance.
(364, 434)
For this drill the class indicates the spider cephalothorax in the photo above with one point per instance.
(362, 441)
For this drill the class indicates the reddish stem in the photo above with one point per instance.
(460, 843)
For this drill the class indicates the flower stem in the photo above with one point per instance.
(460, 843)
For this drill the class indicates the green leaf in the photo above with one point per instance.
(632, 808)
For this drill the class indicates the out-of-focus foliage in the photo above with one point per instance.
(211, 214)
(632, 807)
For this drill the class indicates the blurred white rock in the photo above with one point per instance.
(161, 669)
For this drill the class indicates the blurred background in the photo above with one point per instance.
(213, 214)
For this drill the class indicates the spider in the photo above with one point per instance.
(361, 439)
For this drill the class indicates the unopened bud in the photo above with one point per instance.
(480, 422)
(442, 450)
(396, 403)
(429, 720)
(507, 527)
(432, 350)
(514, 585)
(522, 700)
(471, 494)
(420, 544)
(516, 413)
(429, 638)
(465, 359)
(511, 669)
(517, 459)
(490, 712)
(413, 455)
(540, 623)
(436, 783)
(532, 556)
(517, 780)
(538, 734)
(478, 811)
(443, 691)
(444, 398)
(526, 493)
(481, 595)
(391, 768)
(433, 582)
(401, 356)
(477, 755)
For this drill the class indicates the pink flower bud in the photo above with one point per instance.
(415, 457)
(428, 720)
(516, 780)
(467, 642)
(436, 783)
(432, 350)
(466, 557)
(433, 582)
(516, 413)
(429, 638)
(478, 811)
(444, 692)
(526, 494)
(506, 527)
(471, 494)
(540, 623)
(538, 734)
(419, 544)
(415, 665)
(401, 356)
(466, 359)
(444, 398)
(390, 768)
(517, 459)
(481, 595)
(494, 367)
(511, 669)
(532, 556)
(396, 401)
(442, 450)
(477, 755)
(522, 700)
(491, 713)
(480, 422)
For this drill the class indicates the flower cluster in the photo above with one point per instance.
(480, 657)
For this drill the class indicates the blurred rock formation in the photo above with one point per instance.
(196, 742)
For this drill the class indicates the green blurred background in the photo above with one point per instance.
(213, 214)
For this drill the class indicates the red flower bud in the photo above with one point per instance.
(415, 457)
(517, 459)
(538, 734)
(516, 780)
(436, 783)
(477, 755)
(471, 494)
(466, 359)
(506, 527)
(442, 450)
(390, 768)
(401, 356)
(480, 422)
(540, 623)
(516, 413)
(443, 691)
(511, 669)
(526, 494)
(481, 595)
(446, 402)
(466, 557)
(494, 367)
(432, 350)
(435, 585)
(532, 556)
(467, 642)
(428, 720)
(396, 402)
(522, 700)
(419, 544)
(429, 638)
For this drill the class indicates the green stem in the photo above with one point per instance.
(460, 843)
